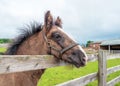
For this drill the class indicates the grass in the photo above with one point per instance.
(57, 75)
(114, 75)
(109, 77)
(2, 49)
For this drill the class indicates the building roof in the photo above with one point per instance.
(111, 42)
(97, 42)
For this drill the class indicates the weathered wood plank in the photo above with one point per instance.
(113, 69)
(82, 81)
(113, 81)
(18, 63)
(102, 68)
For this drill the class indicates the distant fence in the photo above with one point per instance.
(5, 45)
(110, 55)
(19, 63)
(115, 51)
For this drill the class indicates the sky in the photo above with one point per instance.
(85, 20)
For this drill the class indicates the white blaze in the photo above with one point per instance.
(74, 41)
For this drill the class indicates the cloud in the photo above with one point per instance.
(84, 19)
(100, 20)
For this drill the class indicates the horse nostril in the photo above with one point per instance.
(84, 60)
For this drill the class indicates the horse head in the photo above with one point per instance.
(60, 44)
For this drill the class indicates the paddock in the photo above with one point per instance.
(34, 62)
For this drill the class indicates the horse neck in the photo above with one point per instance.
(34, 45)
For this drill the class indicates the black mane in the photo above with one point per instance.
(26, 32)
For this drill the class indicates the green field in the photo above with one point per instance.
(57, 75)
(2, 49)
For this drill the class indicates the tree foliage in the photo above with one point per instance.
(88, 43)
(5, 40)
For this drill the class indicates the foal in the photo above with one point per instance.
(47, 39)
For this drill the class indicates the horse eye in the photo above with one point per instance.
(57, 36)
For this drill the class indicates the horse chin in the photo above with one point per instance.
(77, 65)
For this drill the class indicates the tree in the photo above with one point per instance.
(5, 40)
(88, 43)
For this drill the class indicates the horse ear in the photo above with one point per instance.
(48, 21)
(58, 22)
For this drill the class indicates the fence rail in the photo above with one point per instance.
(114, 81)
(80, 81)
(114, 51)
(18, 63)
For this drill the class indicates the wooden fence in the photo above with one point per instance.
(18, 63)
(101, 75)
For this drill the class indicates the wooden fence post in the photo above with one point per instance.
(102, 70)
